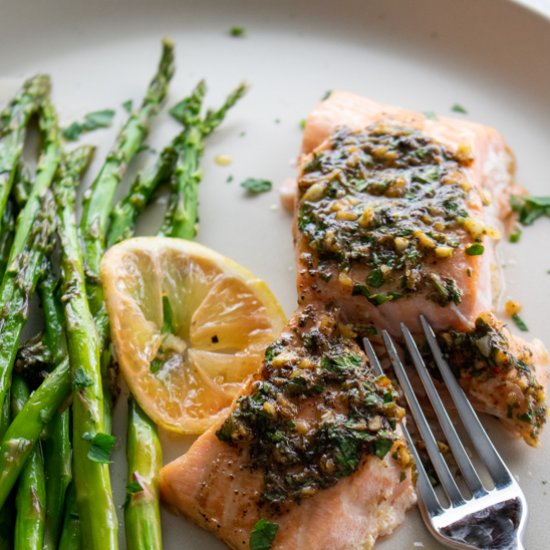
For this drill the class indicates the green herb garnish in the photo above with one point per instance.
(101, 446)
(237, 32)
(530, 209)
(520, 323)
(326, 95)
(457, 108)
(128, 105)
(255, 186)
(515, 236)
(375, 278)
(430, 115)
(263, 535)
(475, 249)
(132, 488)
(81, 379)
(92, 121)
(302, 123)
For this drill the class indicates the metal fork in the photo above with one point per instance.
(492, 518)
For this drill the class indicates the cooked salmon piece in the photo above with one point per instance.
(398, 214)
(313, 446)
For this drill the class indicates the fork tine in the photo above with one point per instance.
(486, 450)
(445, 477)
(373, 358)
(424, 486)
(459, 453)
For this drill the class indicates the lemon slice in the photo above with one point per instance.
(188, 326)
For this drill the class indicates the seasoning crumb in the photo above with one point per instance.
(511, 307)
(418, 544)
(223, 160)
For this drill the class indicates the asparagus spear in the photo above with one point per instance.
(181, 216)
(91, 475)
(57, 446)
(30, 501)
(13, 123)
(97, 205)
(20, 279)
(25, 429)
(70, 536)
(144, 453)
(126, 211)
(7, 227)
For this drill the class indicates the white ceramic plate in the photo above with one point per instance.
(490, 56)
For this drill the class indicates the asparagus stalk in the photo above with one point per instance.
(30, 500)
(25, 429)
(57, 465)
(125, 212)
(97, 205)
(14, 120)
(19, 282)
(181, 216)
(70, 535)
(57, 446)
(7, 227)
(91, 475)
(144, 453)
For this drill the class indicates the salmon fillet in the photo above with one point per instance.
(313, 445)
(397, 215)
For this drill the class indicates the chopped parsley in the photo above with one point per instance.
(520, 323)
(530, 209)
(457, 108)
(128, 105)
(237, 32)
(475, 249)
(92, 121)
(326, 95)
(430, 115)
(81, 379)
(302, 123)
(515, 236)
(101, 446)
(229, 179)
(132, 488)
(263, 535)
(255, 186)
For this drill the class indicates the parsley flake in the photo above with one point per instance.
(457, 108)
(520, 323)
(81, 379)
(101, 446)
(263, 535)
(530, 209)
(132, 488)
(128, 105)
(237, 32)
(255, 186)
(475, 249)
(92, 121)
